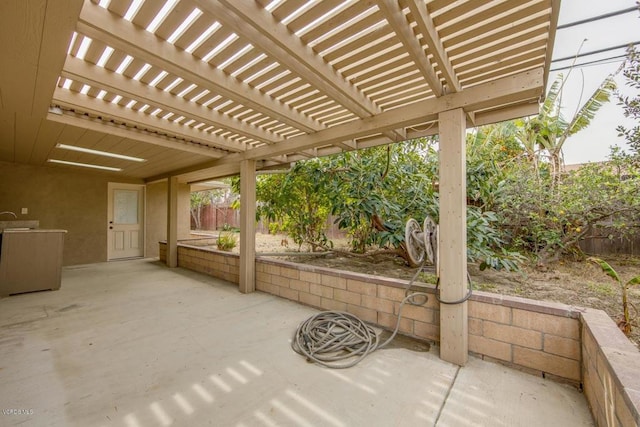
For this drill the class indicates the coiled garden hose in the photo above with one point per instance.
(339, 340)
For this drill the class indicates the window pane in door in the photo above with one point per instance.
(125, 206)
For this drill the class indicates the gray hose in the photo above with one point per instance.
(339, 340)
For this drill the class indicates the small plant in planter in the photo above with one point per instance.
(625, 323)
(227, 241)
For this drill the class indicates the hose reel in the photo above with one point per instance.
(421, 244)
(422, 248)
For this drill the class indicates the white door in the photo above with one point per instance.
(126, 219)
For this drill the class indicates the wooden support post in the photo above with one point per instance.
(247, 226)
(172, 222)
(452, 237)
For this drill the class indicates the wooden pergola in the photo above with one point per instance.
(210, 88)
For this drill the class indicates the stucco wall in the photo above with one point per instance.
(64, 199)
(156, 212)
(184, 214)
(76, 201)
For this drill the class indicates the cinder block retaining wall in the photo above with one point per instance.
(583, 347)
(610, 371)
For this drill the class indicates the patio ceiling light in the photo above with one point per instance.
(84, 165)
(99, 153)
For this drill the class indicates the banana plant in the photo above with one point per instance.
(548, 131)
(625, 323)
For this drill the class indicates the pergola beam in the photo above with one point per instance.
(553, 25)
(100, 24)
(503, 91)
(98, 77)
(259, 27)
(506, 91)
(428, 30)
(206, 171)
(133, 134)
(106, 110)
(395, 16)
(348, 145)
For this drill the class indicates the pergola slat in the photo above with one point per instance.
(313, 14)
(180, 63)
(398, 22)
(364, 24)
(116, 84)
(427, 28)
(262, 31)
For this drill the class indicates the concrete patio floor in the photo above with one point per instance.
(136, 344)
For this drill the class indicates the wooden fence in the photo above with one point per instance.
(217, 217)
(606, 241)
(331, 229)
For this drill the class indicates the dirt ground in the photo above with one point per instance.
(576, 283)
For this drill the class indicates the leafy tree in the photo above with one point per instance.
(517, 198)
(298, 200)
(631, 104)
(372, 193)
(541, 209)
(493, 152)
(376, 190)
(550, 223)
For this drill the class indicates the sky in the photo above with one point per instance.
(593, 144)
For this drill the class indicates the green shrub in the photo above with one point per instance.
(227, 241)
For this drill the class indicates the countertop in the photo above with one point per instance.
(33, 230)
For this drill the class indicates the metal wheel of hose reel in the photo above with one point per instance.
(422, 243)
